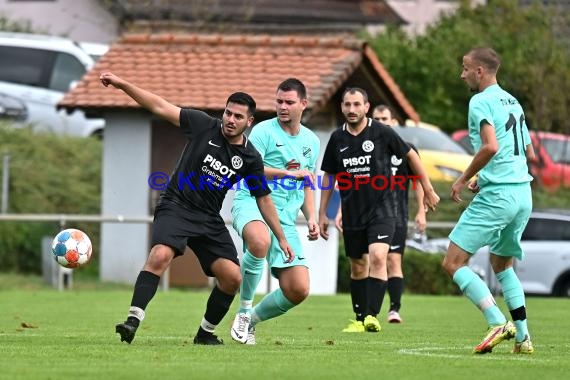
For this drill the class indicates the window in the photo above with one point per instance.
(547, 229)
(66, 70)
(429, 139)
(558, 150)
(25, 66)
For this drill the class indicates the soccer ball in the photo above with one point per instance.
(71, 248)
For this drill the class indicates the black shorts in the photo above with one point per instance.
(356, 242)
(398, 244)
(206, 235)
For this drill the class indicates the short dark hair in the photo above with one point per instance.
(486, 57)
(293, 84)
(384, 107)
(243, 99)
(354, 90)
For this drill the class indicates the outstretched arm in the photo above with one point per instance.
(146, 99)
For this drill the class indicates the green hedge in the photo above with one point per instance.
(422, 272)
(49, 174)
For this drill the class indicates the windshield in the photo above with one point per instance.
(429, 139)
(558, 149)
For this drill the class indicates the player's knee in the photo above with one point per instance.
(258, 248)
(297, 293)
(159, 259)
(358, 270)
(230, 282)
(258, 245)
(448, 266)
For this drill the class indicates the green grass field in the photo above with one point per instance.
(46, 334)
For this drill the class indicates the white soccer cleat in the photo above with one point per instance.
(394, 317)
(250, 335)
(240, 327)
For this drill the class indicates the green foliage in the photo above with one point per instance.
(536, 71)
(424, 275)
(49, 174)
(20, 26)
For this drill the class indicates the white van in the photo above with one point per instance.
(39, 70)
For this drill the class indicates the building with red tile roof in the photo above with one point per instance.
(200, 70)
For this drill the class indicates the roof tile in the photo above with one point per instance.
(201, 70)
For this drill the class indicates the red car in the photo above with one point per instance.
(551, 169)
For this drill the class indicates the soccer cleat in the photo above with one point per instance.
(208, 340)
(394, 317)
(250, 335)
(127, 331)
(354, 327)
(494, 336)
(240, 327)
(524, 347)
(371, 324)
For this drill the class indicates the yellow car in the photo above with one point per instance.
(442, 157)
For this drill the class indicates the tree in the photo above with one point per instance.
(535, 62)
(20, 26)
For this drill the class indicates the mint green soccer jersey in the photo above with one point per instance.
(283, 151)
(500, 109)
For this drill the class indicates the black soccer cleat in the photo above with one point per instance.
(127, 331)
(209, 340)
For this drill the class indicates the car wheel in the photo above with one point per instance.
(563, 288)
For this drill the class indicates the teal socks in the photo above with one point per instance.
(515, 300)
(251, 272)
(272, 305)
(478, 292)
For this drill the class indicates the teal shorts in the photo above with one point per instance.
(245, 212)
(496, 217)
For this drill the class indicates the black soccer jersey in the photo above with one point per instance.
(364, 166)
(209, 166)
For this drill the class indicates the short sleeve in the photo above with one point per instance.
(398, 146)
(330, 161)
(480, 112)
(259, 140)
(194, 122)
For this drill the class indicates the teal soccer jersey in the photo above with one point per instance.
(500, 210)
(500, 109)
(282, 151)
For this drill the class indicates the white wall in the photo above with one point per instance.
(125, 191)
(80, 20)
(421, 13)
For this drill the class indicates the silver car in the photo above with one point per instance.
(545, 269)
(37, 71)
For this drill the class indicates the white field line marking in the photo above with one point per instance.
(432, 352)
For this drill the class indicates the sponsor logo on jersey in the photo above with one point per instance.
(219, 167)
(293, 165)
(368, 146)
(355, 161)
(237, 162)
(212, 144)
